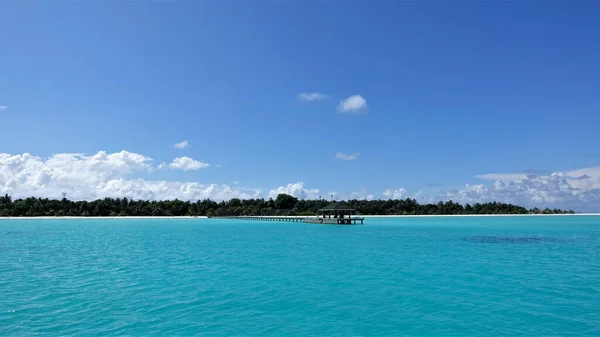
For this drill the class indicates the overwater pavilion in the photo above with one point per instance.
(337, 210)
(338, 213)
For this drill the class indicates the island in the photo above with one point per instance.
(282, 205)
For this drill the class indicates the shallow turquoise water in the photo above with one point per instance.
(451, 276)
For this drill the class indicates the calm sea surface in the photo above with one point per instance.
(450, 276)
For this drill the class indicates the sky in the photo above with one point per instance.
(465, 101)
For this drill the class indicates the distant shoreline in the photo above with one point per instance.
(472, 215)
(273, 216)
(99, 217)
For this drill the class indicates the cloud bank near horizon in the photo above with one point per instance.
(88, 177)
(126, 174)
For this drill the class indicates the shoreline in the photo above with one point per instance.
(98, 217)
(273, 216)
(476, 215)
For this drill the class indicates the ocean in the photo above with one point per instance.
(411, 276)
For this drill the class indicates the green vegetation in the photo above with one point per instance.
(283, 205)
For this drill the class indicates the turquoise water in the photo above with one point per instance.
(451, 276)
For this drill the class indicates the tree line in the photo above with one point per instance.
(282, 205)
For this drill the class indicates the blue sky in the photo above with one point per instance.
(453, 91)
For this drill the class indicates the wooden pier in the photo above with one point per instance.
(336, 213)
(305, 219)
(264, 218)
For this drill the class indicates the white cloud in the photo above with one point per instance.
(397, 193)
(585, 179)
(502, 176)
(355, 103)
(312, 96)
(332, 195)
(165, 190)
(578, 189)
(88, 177)
(343, 156)
(182, 145)
(296, 190)
(187, 164)
(363, 194)
(3, 107)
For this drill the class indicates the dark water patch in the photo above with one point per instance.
(512, 239)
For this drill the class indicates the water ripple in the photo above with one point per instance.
(402, 277)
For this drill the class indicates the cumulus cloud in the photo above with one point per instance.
(343, 156)
(296, 190)
(578, 189)
(187, 164)
(88, 177)
(312, 96)
(582, 180)
(168, 190)
(363, 194)
(397, 193)
(586, 179)
(354, 104)
(182, 145)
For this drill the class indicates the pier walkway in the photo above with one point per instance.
(264, 218)
(305, 219)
